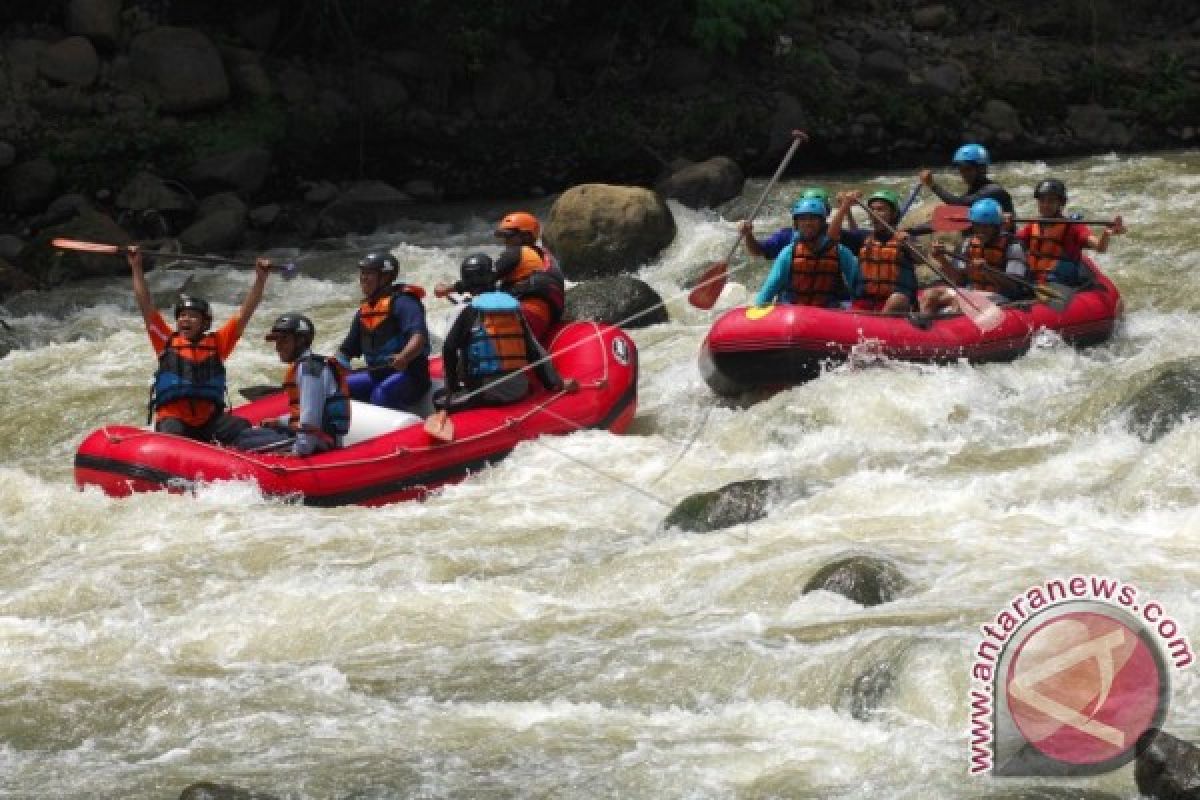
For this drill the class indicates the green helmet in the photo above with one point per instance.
(817, 193)
(887, 196)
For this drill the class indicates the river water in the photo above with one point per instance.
(534, 632)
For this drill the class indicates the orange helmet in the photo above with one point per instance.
(520, 221)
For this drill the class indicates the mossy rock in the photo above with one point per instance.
(733, 504)
(867, 580)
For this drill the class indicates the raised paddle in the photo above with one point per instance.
(712, 280)
(948, 218)
(286, 271)
(907, 205)
(983, 312)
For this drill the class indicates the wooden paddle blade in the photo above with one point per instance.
(86, 247)
(710, 285)
(258, 392)
(947, 218)
(986, 315)
(440, 427)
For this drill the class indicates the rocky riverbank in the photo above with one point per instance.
(178, 119)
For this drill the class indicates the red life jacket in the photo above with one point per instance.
(880, 265)
(816, 274)
(994, 254)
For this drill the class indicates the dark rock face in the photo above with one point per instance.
(28, 186)
(1168, 399)
(1167, 767)
(623, 300)
(596, 229)
(705, 185)
(182, 66)
(866, 580)
(733, 504)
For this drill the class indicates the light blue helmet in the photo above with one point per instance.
(986, 212)
(972, 154)
(809, 206)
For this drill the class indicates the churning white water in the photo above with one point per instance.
(534, 632)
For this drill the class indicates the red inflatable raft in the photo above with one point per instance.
(777, 346)
(388, 455)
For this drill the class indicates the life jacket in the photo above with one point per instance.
(335, 416)
(880, 266)
(188, 371)
(496, 344)
(538, 275)
(1047, 254)
(381, 337)
(994, 254)
(816, 277)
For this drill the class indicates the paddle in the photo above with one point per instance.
(908, 202)
(440, 427)
(948, 218)
(983, 312)
(287, 271)
(712, 280)
(1043, 293)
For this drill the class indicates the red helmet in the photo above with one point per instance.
(521, 221)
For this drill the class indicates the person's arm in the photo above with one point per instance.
(454, 345)
(1100, 244)
(507, 261)
(410, 315)
(845, 203)
(851, 274)
(262, 268)
(777, 278)
(351, 346)
(541, 363)
(312, 390)
(141, 292)
(753, 246)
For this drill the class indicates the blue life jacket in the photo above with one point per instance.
(496, 345)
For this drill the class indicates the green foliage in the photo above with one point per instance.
(726, 24)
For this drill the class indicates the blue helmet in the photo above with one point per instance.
(809, 206)
(972, 154)
(986, 212)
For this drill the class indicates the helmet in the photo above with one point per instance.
(986, 212)
(820, 194)
(292, 323)
(808, 206)
(1051, 186)
(477, 273)
(187, 302)
(972, 154)
(521, 221)
(380, 262)
(887, 196)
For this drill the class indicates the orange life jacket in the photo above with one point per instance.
(335, 417)
(816, 274)
(1046, 249)
(188, 371)
(497, 339)
(537, 277)
(880, 265)
(380, 336)
(994, 254)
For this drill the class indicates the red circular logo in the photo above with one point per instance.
(1083, 686)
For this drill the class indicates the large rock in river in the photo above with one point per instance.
(622, 300)
(1171, 396)
(733, 504)
(599, 229)
(706, 184)
(1167, 767)
(866, 580)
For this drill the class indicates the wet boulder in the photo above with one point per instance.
(867, 580)
(362, 208)
(220, 791)
(733, 504)
(1173, 395)
(706, 184)
(50, 266)
(597, 229)
(1167, 767)
(622, 299)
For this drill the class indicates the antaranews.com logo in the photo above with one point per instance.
(1068, 676)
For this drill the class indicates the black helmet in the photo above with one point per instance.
(1051, 186)
(380, 262)
(187, 302)
(292, 323)
(477, 273)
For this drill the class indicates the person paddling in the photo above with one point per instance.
(770, 247)
(987, 255)
(490, 348)
(390, 333)
(318, 397)
(1056, 248)
(889, 278)
(972, 161)
(189, 393)
(813, 270)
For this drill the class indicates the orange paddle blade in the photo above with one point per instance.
(440, 427)
(948, 218)
(980, 309)
(86, 247)
(709, 287)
